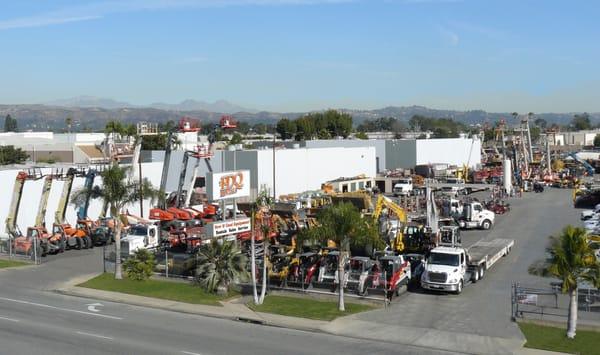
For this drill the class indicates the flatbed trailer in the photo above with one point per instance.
(484, 254)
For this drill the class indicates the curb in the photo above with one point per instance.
(117, 297)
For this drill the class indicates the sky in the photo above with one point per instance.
(297, 55)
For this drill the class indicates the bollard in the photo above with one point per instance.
(166, 263)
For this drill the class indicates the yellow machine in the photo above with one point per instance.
(384, 202)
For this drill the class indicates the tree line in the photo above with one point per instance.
(316, 125)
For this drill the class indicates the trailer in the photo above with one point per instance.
(451, 267)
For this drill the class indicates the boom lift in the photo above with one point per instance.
(55, 243)
(25, 244)
(75, 239)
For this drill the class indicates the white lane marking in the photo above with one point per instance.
(9, 319)
(95, 335)
(59, 308)
(92, 307)
(190, 353)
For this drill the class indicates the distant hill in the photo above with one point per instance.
(193, 105)
(91, 113)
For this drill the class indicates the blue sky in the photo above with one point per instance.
(287, 55)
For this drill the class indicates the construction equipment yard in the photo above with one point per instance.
(453, 322)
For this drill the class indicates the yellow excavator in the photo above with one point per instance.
(396, 242)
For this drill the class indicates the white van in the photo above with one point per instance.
(403, 187)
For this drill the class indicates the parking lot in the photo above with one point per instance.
(531, 220)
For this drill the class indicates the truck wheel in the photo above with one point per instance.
(475, 277)
(486, 224)
(90, 242)
(481, 272)
(459, 289)
(78, 243)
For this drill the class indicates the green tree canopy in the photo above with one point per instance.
(597, 140)
(581, 122)
(323, 125)
(286, 128)
(10, 124)
(11, 155)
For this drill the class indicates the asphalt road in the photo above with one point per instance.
(34, 320)
(484, 308)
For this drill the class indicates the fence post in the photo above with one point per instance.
(166, 263)
(10, 246)
(104, 258)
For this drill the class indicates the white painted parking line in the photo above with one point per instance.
(94, 335)
(9, 319)
(58, 308)
(190, 353)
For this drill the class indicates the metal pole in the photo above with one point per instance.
(35, 241)
(141, 192)
(166, 263)
(104, 258)
(274, 194)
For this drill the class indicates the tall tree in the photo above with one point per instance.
(344, 225)
(117, 191)
(69, 123)
(10, 124)
(581, 122)
(286, 128)
(571, 260)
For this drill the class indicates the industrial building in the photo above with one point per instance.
(408, 153)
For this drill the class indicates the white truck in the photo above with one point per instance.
(475, 216)
(140, 236)
(403, 187)
(450, 266)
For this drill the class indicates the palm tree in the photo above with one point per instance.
(344, 225)
(572, 261)
(264, 202)
(117, 191)
(220, 264)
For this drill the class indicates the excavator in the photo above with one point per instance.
(395, 226)
(76, 238)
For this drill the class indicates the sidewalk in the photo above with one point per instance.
(349, 326)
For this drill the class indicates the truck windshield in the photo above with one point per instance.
(443, 259)
(139, 230)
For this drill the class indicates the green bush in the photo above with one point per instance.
(141, 266)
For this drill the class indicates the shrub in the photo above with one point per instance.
(141, 266)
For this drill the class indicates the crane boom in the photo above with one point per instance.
(59, 216)
(41, 214)
(13, 212)
(88, 186)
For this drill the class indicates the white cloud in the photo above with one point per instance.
(450, 37)
(101, 9)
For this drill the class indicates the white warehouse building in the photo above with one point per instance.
(296, 170)
(407, 153)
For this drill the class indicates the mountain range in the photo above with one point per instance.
(92, 113)
(186, 105)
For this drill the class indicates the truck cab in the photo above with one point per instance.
(475, 216)
(403, 187)
(445, 269)
(139, 236)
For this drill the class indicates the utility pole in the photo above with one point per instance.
(274, 194)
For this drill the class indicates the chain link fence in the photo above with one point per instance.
(543, 303)
(23, 248)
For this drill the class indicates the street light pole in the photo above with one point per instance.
(274, 194)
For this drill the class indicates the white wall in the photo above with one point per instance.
(454, 151)
(299, 170)
(33, 189)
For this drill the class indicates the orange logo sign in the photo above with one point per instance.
(230, 184)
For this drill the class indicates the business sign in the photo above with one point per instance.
(229, 184)
(527, 298)
(228, 227)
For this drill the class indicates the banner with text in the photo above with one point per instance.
(228, 184)
(229, 227)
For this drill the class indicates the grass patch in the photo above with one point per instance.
(167, 290)
(555, 339)
(306, 308)
(11, 263)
